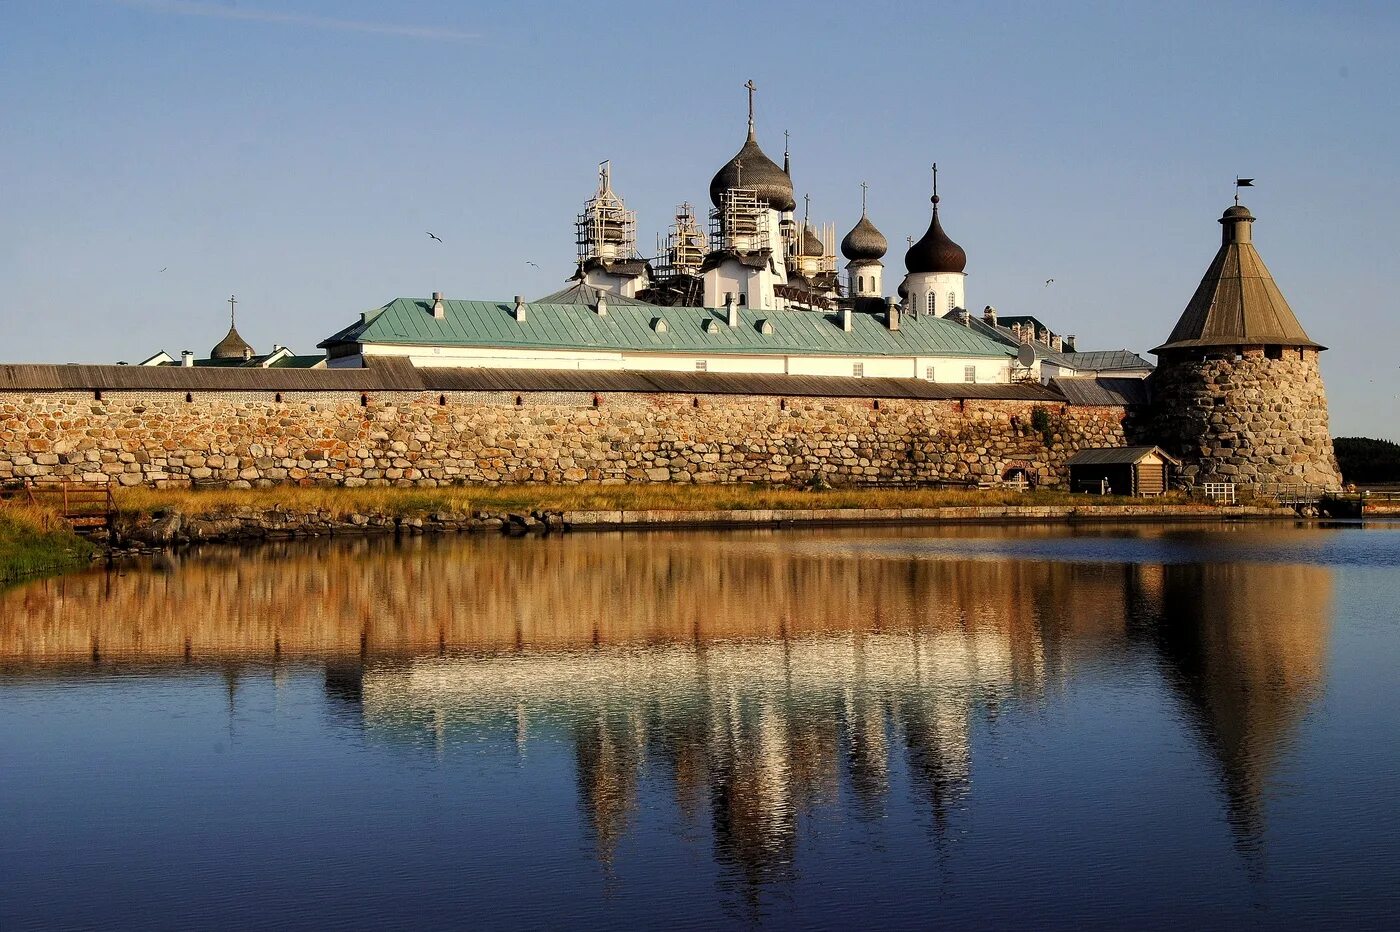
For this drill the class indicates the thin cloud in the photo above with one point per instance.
(229, 11)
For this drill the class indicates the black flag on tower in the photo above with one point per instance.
(1244, 182)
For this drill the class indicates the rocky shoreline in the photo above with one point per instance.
(245, 524)
(170, 528)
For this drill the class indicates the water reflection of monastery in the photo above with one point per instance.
(756, 681)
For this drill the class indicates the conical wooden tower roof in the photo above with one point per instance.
(1237, 302)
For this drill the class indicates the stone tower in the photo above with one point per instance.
(1237, 394)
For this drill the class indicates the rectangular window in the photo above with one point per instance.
(858, 370)
(702, 365)
(969, 373)
(928, 374)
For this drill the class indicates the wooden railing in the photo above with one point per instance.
(84, 506)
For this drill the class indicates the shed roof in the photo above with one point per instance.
(1102, 360)
(1081, 391)
(409, 321)
(388, 374)
(1111, 456)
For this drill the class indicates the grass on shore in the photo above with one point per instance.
(406, 502)
(36, 542)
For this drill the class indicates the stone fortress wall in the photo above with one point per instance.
(428, 438)
(1248, 420)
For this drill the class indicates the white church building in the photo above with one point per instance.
(758, 292)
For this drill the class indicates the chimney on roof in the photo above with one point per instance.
(963, 316)
(847, 321)
(602, 304)
(731, 309)
(519, 309)
(1069, 342)
(892, 314)
(989, 314)
(1057, 343)
(187, 359)
(247, 353)
(439, 312)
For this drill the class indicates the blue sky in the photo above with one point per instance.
(295, 152)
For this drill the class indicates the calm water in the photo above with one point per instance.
(958, 727)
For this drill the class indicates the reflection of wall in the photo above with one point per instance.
(758, 675)
(376, 598)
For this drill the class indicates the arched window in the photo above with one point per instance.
(932, 303)
(860, 284)
(913, 304)
(952, 301)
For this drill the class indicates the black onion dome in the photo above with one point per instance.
(231, 347)
(812, 244)
(757, 171)
(864, 242)
(936, 252)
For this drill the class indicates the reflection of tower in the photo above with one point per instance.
(867, 754)
(609, 759)
(1244, 644)
(345, 691)
(754, 822)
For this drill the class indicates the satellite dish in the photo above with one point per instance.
(1025, 355)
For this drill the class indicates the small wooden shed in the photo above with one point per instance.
(1121, 470)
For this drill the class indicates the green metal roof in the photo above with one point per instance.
(298, 362)
(409, 321)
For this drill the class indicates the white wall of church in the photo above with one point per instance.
(947, 289)
(944, 368)
(866, 280)
(625, 285)
(731, 277)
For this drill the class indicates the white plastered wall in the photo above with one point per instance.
(866, 279)
(988, 370)
(943, 285)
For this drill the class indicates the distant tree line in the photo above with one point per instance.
(1363, 459)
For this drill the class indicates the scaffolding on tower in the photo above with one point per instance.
(740, 222)
(606, 229)
(686, 245)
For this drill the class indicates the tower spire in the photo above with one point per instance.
(935, 184)
(863, 187)
(231, 302)
(751, 87)
(787, 156)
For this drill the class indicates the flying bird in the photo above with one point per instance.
(1049, 282)
(433, 235)
(162, 270)
(535, 264)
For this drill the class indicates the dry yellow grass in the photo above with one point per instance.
(36, 541)
(583, 497)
